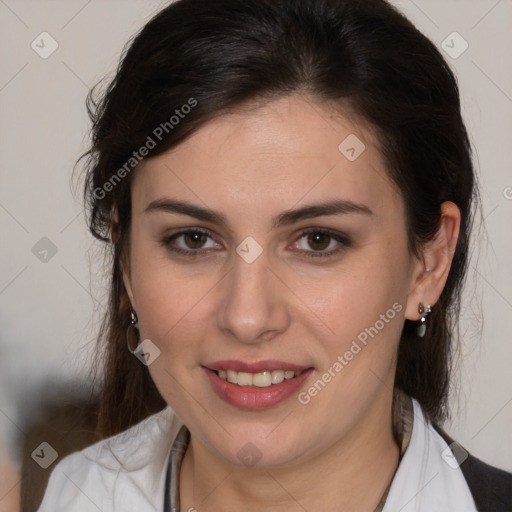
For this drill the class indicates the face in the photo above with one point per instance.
(270, 283)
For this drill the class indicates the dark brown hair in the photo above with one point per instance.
(221, 54)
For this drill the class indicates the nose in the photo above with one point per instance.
(254, 307)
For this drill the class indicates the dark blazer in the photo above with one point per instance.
(491, 487)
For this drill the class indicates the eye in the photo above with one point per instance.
(190, 242)
(320, 240)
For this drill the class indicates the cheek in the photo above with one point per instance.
(363, 308)
(170, 307)
(364, 311)
(355, 298)
(168, 297)
(175, 314)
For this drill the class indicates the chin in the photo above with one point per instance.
(253, 448)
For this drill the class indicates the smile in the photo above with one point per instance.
(255, 385)
(263, 379)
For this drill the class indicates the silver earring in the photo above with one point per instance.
(423, 311)
(134, 326)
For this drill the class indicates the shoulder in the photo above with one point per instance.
(128, 468)
(490, 486)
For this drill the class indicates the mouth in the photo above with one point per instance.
(255, 385)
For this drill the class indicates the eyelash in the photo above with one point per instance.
(342, 239)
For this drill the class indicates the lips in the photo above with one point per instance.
(246, 395)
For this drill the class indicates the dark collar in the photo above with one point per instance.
(490, 487)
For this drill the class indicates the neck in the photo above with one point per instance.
(352, 475)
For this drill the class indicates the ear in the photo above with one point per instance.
(124, 262)
(431, 270)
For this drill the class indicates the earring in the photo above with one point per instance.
(423, 311)
(134, 325)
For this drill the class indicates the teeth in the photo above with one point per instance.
(244, 379)
(277, 376)
(261, 380)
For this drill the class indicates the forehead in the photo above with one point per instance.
(284, 150)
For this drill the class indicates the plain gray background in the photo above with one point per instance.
(50, 310)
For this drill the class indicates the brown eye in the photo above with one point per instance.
(194, 239)
(321, 242)
(318, 241)
(191, 242)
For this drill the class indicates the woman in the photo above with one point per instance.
(288, 191)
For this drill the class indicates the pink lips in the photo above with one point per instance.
(253, 397)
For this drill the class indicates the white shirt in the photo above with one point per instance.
(424, 480)
(127, 472)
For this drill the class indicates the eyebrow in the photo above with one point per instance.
(285, 218)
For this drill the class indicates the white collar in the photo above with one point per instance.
(424, 481)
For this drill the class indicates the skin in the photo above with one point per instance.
(337, 451)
